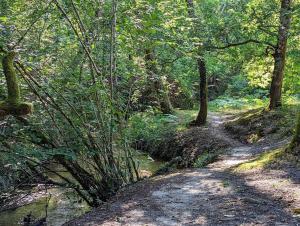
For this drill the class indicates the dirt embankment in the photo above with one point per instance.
(189, 145)
(260, 124)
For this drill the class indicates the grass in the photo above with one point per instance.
(262, 161)
(153, 128)
(239, 104)
(231, 104)
(184, 117)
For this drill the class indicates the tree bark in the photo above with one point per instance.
(157, 83)
(280, 54)
(202, 115)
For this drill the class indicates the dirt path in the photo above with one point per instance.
(210, 196)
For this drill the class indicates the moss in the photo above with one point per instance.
(12, 105)
(17, 109)
(262, 161)
(13, 89)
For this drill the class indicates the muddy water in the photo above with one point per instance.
(64, 205)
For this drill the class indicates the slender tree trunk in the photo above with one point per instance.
(158, 86)
(280, 54)
(112, 75)
(202, 115)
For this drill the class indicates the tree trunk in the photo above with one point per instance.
(280, 54)
(13, 90)
(157, 83)
(12, 105)
(202, 115)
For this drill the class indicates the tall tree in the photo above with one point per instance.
(280, 54)
(202, 115)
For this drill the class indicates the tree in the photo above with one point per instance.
(202, 115)
(77, 113)
(280, 54)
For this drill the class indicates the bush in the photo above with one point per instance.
(147, 130)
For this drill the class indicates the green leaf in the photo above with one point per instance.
(3, 18)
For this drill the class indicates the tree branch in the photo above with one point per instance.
(230, 45)
(79, 38)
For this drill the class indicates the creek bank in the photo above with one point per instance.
(214, 195)
(63, 205)
(187, 145)
(260, 124)
(209, 196)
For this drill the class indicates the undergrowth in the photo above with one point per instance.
(231, 104)
(255, 125)
(206, 158)
(148, 129)
(248, 102)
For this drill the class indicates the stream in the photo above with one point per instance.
(64, 204)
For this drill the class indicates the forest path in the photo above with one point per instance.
(210, 196)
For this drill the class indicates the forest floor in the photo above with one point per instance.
(218, 194)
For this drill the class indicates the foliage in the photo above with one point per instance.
(227, 103)
(149, 128)
(206, 158)
(87, 77)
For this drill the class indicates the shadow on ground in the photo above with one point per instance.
(192, 197)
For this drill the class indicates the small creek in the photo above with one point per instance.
(64, 205)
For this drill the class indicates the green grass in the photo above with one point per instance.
(184, 118)
(230, 104)
(261, 161)
(238, 104)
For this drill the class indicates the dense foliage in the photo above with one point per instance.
(89, 67)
